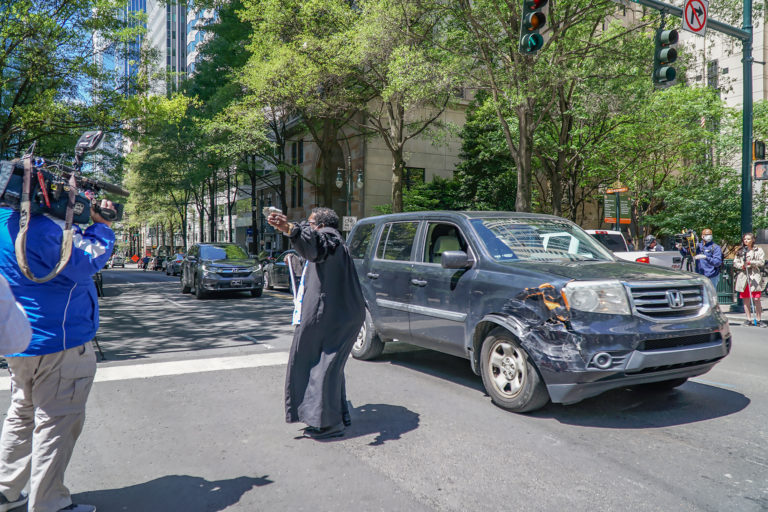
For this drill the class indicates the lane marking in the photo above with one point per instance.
(167, 368)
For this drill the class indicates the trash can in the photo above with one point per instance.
(725, 293)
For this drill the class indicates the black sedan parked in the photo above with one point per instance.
(276, 272)
(210, 268)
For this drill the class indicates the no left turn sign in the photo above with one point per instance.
(695, 16)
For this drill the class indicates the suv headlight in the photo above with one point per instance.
(597, 297)
(254, 268)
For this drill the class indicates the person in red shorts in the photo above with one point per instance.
(749, 261)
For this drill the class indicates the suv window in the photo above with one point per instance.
(360, 240)
(613, 242)
(223, 252)
(441, 238)
(396, 241)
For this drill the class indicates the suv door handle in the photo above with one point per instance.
(418, 282)
(371, 275)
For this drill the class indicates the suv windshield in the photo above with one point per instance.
(532, 239)
(223, 252)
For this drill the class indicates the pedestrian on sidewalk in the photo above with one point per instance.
(708, 256)
(329, 311)
(52, 377)
(749, 261)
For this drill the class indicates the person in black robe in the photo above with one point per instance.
(330, 310)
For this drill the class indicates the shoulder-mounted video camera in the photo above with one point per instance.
(50, 184)
(688, 240)
(35, 185)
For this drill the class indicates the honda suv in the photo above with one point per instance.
(210, 268)
(540, 309)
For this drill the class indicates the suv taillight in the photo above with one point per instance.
(644, 259)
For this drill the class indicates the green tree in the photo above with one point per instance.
(51, 86)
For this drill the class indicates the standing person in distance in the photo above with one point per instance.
(708, 256)
(749, 261)
(652, 245)
(50, 379)
(329, 312)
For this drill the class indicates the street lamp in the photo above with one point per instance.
(345, 175)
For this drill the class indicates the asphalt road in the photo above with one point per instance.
(187, 415)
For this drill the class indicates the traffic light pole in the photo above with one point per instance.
(745, 34)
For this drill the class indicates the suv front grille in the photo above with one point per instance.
(667, 301)
(684, 341)
(234, 272)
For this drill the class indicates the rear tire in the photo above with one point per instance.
(509, 376)
(257, 293)
(368, 345)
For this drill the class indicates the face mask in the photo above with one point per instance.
(707, 238)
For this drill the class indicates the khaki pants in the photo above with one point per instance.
(46, 416)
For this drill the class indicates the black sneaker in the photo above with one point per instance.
(6, 505)
(78, 508)
(324, 432)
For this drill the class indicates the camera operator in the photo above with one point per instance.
(51, 379)
(708, 256)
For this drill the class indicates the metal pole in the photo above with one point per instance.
(746, 141)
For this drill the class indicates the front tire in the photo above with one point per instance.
(368, 344)
(184, 288)
(199, 292)
(256, 293)
(509, 376)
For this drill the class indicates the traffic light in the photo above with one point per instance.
(758, 150)
(664, 55)
(532, 22)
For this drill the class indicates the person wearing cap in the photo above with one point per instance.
(708, 256)
(652, 245)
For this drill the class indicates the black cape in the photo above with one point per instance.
(332, 312)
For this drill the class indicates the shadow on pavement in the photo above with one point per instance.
(638, 408)
(628, 408)
(155, 317)
(173, 492)
(390, 422)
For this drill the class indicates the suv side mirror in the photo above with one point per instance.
(455, 259)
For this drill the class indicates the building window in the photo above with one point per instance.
(294, 190)
(712, 74)
(300, 193)
(294, 150)
(301, 151)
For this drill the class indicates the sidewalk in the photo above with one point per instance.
(739, 318)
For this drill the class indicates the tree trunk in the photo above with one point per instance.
(524, 154)
(398, 168)
(213, 213)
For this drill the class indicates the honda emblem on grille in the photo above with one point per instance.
(675, 299)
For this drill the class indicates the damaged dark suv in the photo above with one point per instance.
(541, 310)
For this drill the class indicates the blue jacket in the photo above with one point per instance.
(710, 265)
(64, 312)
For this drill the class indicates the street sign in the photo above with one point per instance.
(249, 231)
(616, 190)
(134, 258)
(249, 239)
(695, 16)
(348, 223)
(761, 170)
(612, 206)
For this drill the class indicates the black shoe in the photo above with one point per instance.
(346, 419)
(324, 432)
